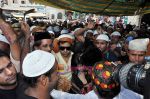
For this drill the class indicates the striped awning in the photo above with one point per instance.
(102, 7)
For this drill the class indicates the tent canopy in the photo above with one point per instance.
(103, 7)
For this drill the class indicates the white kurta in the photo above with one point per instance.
(124, 94)
(66, 71)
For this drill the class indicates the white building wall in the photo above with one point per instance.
(39, 8)
(10, 2)
(55, 11)
(134, 20)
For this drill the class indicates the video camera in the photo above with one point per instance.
(132, 76)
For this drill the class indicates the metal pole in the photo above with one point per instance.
(140, 20)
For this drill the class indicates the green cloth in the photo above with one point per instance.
(102, 7)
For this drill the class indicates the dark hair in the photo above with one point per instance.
(108, 94)
(4, 54)
(91, 56)
(36, 44)
(32, 81)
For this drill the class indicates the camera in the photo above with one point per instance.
(132, 76)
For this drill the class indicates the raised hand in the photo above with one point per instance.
(8, 31)
(91, 25)
(12, 38)
(25, 29)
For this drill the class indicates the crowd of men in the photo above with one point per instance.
(57, 60)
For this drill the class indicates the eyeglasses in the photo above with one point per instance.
(63, 48)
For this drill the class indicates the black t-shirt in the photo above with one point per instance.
(110, 56)
(21, 90)
(8, 94)
(24, 96)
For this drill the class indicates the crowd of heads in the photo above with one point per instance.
(99, 43)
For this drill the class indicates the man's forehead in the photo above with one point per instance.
(115, 36)
(46, 40)
(65, 44)
(4, 61)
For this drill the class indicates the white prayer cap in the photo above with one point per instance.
(95, 32)
(32, 27)
(115, 34)
(37, 63)
(65, 36)
(139, 44)
(3, 39)
(90, 31)
(76, 29)
(103, 37)
(64, 31)
(50, 32)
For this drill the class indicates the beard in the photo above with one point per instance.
(7, 84)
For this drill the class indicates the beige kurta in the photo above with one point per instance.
(63, 67)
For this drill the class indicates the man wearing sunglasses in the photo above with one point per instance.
(64, 56)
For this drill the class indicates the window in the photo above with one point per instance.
(14, 1)
(22, 2)
(59, 15)
(53, 16)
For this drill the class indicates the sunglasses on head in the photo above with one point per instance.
(63, 48)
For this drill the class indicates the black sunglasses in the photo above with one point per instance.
(63, 48)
